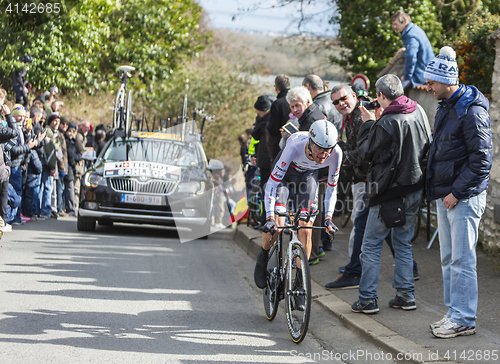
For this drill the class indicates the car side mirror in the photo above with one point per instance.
(215, 165)
(89, 155)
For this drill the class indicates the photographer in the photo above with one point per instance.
(395, 144)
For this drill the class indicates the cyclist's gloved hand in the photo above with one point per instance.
(270, 226)
(329, 223)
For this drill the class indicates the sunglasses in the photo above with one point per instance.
(343, 98)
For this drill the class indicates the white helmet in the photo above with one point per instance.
(323, 133)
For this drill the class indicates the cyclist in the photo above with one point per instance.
(306, 153)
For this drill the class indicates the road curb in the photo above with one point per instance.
(402, 349)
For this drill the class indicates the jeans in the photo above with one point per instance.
(375, 233)
(16, 180)
(4, 199)
(458, 232)
(60, 193)
(359, 215)
(358, 205)
(69, 190)
(46, 193)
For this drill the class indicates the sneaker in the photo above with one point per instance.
(399, 302)
(62, 213)
(18, 222)
(370, 307)
(439, 323)
(7, 228)
(44, 217)
(313, 261)
(450, 329)
(321, 252)
(71, 213)
(54, 215)
(342, 269)
(416, 276)
(260, 272)
(344, 282)
(25, 219)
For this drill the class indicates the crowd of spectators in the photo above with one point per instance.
(41, 163)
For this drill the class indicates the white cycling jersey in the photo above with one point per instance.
(294, 155)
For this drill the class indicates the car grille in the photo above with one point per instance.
(151, 187)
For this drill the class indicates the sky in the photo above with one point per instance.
(233, 14)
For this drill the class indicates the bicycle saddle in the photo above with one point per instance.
(125, 69)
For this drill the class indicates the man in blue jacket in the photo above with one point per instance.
(458, 170)
(418, 49)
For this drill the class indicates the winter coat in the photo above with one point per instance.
(355, 166)
(6, 134)
(20, 150)
(278, 117)
(418, 54)
(310, 115)
(259, 132)
(460, 156)
(73, 158)
(396, 145)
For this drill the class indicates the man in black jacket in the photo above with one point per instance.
(395, 145)
(259, 132)
(321, 98)
(279, 115)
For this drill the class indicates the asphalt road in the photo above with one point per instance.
(131, 294)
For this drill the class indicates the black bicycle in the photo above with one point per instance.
(289, 280)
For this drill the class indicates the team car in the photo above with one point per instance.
(158, 178)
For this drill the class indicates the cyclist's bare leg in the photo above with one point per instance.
(305, 237)
(267, 242)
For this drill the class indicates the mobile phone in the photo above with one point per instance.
(290, 128)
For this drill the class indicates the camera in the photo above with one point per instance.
(369, 105)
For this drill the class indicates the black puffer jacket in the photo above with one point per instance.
(396, 145)
(20, 150)
(324, 103)
(259, 132)
(460, 157)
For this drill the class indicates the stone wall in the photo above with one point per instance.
(490, 223)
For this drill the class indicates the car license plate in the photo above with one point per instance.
(142, 199)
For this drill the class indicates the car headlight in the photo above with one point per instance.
(194, 187)
(94, 180)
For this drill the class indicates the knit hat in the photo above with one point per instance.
(18, 110)
(443, 68)
(263, 103)
(71, 126)
(51, 118)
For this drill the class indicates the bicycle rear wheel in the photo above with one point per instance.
(118, 107)
(271, 294)
(297, 294)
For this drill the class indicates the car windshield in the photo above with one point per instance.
(149, 150)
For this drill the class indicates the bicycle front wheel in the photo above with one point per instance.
(298, 294)
(271, 294)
